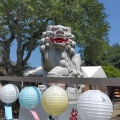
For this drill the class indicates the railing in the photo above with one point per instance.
(67, 80)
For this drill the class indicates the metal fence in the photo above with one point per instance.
(67, 80)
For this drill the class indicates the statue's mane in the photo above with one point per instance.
(51, 31)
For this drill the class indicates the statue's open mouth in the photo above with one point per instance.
(58, 40)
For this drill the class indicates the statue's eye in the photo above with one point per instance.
(63, 29)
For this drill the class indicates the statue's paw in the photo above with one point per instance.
(58, 72)
(52, 74)
(75, 73)
(80, 74)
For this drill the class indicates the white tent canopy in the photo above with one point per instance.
(93, 72)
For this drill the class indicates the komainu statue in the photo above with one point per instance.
(57, 47)
(59, 59)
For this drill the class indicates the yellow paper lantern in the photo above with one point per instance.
(54, 100)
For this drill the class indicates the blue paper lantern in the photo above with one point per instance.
(29, 97)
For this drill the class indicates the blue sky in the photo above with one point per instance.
(112, 7)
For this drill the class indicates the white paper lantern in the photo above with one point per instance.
(94, 105)
(72, 93)
(42, 88)
(9, 93)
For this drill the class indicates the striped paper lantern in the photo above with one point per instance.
(29, 97)
(54, 100)
(94, 105)
(9, 93)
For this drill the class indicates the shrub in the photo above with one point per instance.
(111, 71)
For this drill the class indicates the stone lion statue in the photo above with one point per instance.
(57, 47)
(59, 59)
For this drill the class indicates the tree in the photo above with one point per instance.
(94, 51)
(115, 56)
(95, 33)
(0, 51)
(25, 20)
(112, 56)
(111, 71)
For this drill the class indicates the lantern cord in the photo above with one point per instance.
(7, 104)
(50, 118)
(22, 85)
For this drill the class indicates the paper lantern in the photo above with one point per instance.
(42, 88)
(54, 100)
(9, 93)
(94, 105)
(29, 97)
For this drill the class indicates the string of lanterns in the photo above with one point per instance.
(91, 105)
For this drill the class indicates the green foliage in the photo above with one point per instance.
(111, 71)
(94, 32)
(25, 20)
(0, 51)
(94, 51)
(114, 55)
(2, 72)
(111, 56)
